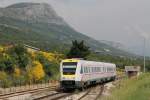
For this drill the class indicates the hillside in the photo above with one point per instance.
(37, 24)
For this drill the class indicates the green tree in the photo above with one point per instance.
(78, 50)
(6, 63)
(21, 56)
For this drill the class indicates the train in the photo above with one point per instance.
(79, 74)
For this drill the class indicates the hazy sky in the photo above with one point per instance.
(124, 21)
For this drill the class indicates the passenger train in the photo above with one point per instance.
(76, 73)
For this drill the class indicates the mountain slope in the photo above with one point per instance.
(37, 24)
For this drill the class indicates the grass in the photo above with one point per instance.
(132, 89)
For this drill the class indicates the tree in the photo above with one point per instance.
(78, 50)
(17, 72)
(6, 63)
(49, 62)
(21, 56)
(3, 75)
(36, 72)
(1, 49)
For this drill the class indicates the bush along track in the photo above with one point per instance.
(136, 88)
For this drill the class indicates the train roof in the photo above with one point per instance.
(85, 61)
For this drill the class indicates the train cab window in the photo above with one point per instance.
(69, 68)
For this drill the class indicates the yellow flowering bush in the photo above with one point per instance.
(37, 71)
(53, 57)
(1, 49)
(17, 72)
(3, 75)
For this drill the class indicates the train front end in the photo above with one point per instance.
(68, 69)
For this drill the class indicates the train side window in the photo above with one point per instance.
(103, 69)
(107, 69)
(92, 69)
(96, 69)
(100, 69)
(81, 70)
(87, 69)
(84, 69)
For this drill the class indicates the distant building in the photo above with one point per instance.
(132, 70)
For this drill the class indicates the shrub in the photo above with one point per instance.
(36, 72)
(17, 72)
(3, 75)
(20, 55)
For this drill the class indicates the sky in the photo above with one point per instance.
(123, 21)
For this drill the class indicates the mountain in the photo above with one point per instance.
(30, 12)
(38, 25)
(116, 45)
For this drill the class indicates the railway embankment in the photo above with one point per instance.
(136, 88)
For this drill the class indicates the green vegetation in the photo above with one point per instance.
(132, 89)
(78, 50)
(19, 65)
(120, 61)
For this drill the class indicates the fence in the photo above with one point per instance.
(28, 86)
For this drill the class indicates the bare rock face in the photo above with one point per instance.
(32, 12)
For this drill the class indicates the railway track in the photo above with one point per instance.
(50, 93)
(19, 93)
(93, 93)
(52, 96)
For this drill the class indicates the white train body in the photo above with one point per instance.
(81, 73)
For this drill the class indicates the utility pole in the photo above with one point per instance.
(144, 50)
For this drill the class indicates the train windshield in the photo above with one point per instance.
(69, 68)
